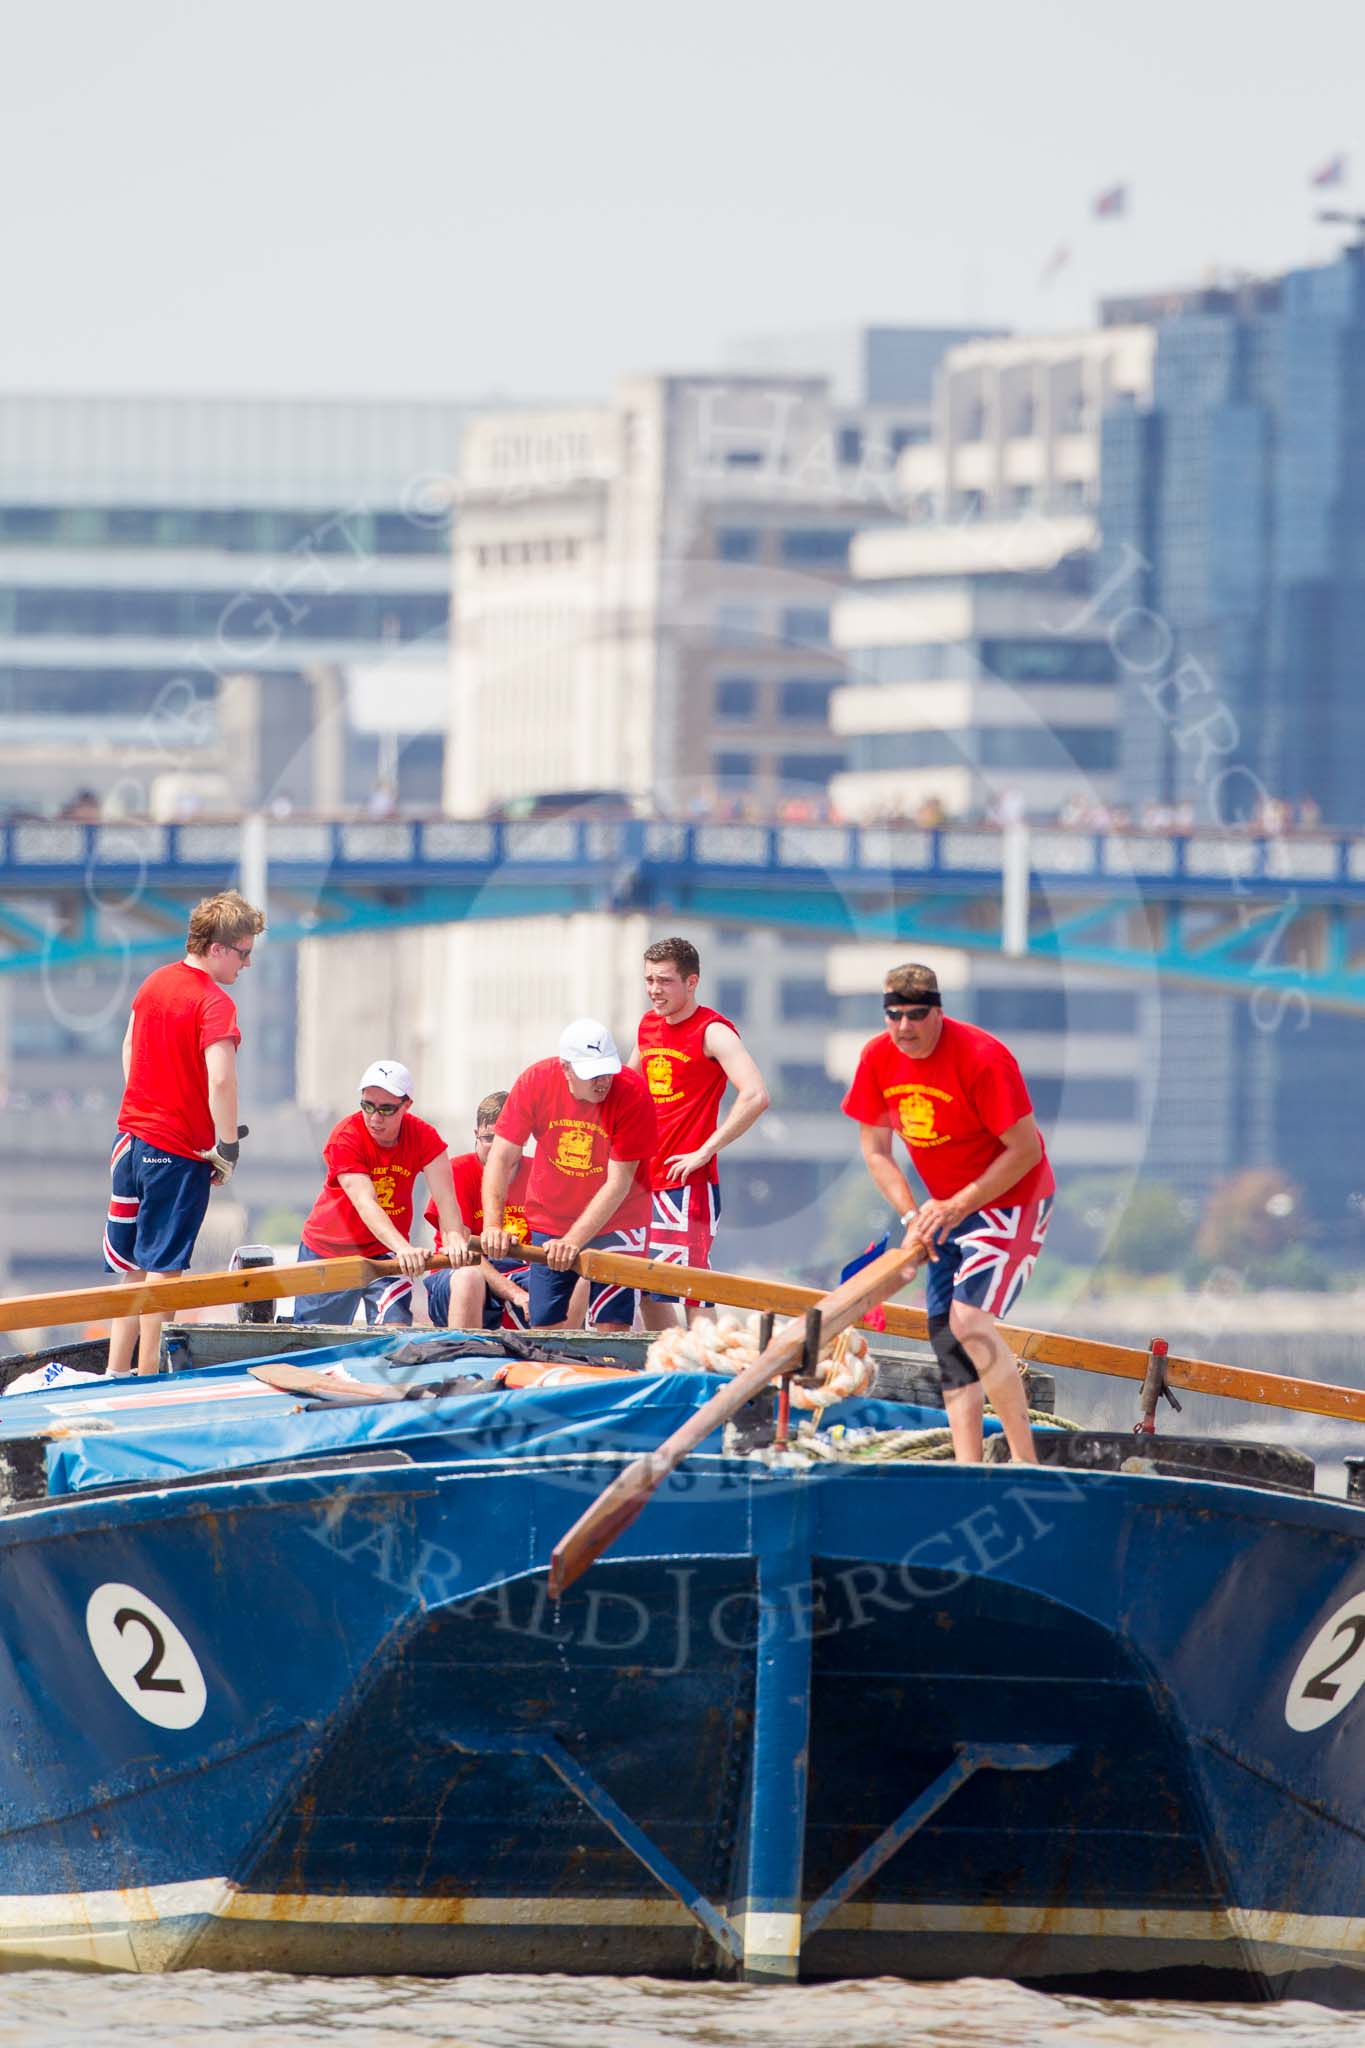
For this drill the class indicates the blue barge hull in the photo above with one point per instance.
(1060, 1726)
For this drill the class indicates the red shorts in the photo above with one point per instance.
(682, 1228)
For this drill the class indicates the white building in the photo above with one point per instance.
(640, 586)
(982, 684)
(976, 670)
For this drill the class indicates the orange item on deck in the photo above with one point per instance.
(522, 1373)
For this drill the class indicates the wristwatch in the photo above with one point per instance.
(905, 1219)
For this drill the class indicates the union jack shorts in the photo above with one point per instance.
(987, 1259)
(608, 1302)
(682, 1229)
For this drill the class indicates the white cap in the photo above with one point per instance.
(390, 1074)
(589, 1048)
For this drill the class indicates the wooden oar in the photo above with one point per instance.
(339, 1391)
(193, 1290)
(731, 1290)
(614, 1510)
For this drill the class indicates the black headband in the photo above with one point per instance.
(928, 999)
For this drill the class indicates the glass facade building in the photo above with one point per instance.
(1232, 509)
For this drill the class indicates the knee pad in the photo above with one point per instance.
(955, 1367)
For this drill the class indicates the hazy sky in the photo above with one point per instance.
(527, 197)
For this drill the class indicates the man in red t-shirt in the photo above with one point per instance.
(957, 1098)
(373, 1158)
(486, 1296)
(595, 1131)
(687, 1054)
(178, 1135)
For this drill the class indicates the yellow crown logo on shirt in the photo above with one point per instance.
(575, 1150)
(917, 1119)
(659, 1073)
(383, 1190)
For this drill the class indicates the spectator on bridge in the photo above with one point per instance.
(373, 1158)
(382, 801)
(1006, 809)
(178, 1135)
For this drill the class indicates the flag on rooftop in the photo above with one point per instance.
(1058, 260)
(1108, 205)
(1333, 172)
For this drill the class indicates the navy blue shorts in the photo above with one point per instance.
(157, 1204)
(550, 1291)
(497, 1313)
(386, 1301)
(987, 1259)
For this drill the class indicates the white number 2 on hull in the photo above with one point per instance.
(144, 1656)
(1331, 1670)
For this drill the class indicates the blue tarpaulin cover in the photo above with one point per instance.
(217, 1419)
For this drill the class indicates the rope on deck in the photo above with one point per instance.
(844, 1446)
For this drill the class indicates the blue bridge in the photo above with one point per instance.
(1227, 911)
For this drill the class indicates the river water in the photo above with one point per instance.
(202, 2009)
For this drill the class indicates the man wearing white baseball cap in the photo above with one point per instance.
(596, 1131)
(373, 1158)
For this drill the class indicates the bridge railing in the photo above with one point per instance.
(40, 853)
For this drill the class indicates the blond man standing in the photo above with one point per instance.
(178, 1135)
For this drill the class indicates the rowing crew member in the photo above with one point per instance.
(492, 1295)
(373, 1158)
(178, 1135)
(958, 1100)
(688, 1054)
(595, 1132)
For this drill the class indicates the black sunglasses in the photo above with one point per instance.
(915, 1016)
(381, 1108)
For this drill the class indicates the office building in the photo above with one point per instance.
(1232, 507)
(205, 604)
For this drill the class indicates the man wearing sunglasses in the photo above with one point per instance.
(491, 1296)
(373, 1158)
(178, 1136)
(957, 1099)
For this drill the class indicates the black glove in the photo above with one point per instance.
(223, 1154)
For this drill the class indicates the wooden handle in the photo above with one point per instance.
(731, 1290)
(614, 1510)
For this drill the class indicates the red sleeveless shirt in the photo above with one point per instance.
(685, 1085)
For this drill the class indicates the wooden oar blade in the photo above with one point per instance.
(615, 1509)
(612, 1514)
(339, 1389)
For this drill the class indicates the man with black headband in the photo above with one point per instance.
(958, 1100)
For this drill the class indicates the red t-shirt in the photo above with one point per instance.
(949, 1108)
(467, 1174)
(334, 1226)
(685, 1085)
(575, 1140)
(177, 1013)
